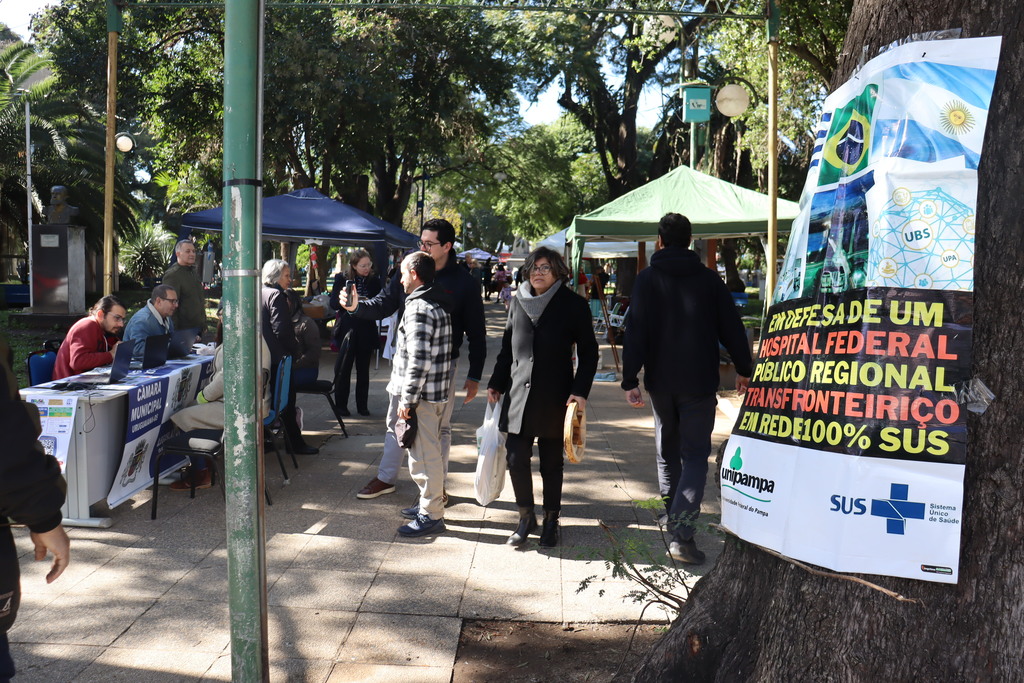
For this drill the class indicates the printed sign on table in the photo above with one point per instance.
(57, 419)
(850, 448)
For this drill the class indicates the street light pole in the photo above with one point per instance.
(28, 193)
(114, 25)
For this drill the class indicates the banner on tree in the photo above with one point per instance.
(849, 451)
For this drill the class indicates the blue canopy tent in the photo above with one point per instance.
(308, 215)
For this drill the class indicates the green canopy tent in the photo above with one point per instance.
(716, 209)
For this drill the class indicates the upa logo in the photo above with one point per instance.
(738, 481)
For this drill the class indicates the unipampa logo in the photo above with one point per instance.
(738, 480)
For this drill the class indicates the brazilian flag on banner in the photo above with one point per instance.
(849, 139)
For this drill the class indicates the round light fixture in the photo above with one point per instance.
(124, 142)
(732, 100)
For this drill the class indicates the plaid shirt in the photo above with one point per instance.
(423, 352)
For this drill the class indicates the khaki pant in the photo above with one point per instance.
(426, 464)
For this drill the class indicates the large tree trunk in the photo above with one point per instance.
(755, 617)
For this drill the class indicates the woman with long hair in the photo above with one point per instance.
(534, 374)
(361, 335)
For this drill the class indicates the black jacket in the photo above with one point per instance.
(278, 331)
(679, 312)
(534, 366)
(467, 311)
(31, 486)
(362, 332)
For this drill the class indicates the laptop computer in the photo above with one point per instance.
(118, 369)
(155, 352)
(181, 342)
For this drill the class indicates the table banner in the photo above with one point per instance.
(154, 396)
(850, 448)
(57, 419)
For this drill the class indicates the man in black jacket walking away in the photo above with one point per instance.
(679, 313)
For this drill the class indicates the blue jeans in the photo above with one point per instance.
(682, 431)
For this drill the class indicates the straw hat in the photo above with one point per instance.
(574, 432)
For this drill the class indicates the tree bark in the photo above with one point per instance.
(755, 617)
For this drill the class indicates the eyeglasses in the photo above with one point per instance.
(425, 244)
(117, 318)
(172, 301)
(543, 270)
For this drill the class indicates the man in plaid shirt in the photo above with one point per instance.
(420, 380)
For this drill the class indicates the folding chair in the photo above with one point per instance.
(204, 443)
(326, 389)
(40, 366)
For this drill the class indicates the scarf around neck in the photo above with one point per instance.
(534, 305)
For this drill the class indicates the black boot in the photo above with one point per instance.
(549, 532)
(527, 525)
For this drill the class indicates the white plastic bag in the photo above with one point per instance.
(490, 460)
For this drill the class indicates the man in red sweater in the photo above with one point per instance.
(91, 341)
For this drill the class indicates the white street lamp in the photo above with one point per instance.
(732, 100)
(124, 142)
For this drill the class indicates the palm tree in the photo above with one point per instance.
(67, 149)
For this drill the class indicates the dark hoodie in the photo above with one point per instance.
(31, 486)
(679, 312)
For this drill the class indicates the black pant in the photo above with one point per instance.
(358, 355)
(518, 451)
(682, 431)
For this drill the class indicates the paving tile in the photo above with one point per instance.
(438, 595)
(181, 626)
(512, 561)
(341, 554)
(440, 556)
(515, 599)
(307, 633)
(80, 620)
(281, 670)
(153, 666)
(604, 601)
(402, 640)
(320, 589)
(372, 673)
(140, 572)
(48, 662)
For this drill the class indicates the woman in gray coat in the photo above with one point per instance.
(534, 373)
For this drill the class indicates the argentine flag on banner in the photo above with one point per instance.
(931, 112)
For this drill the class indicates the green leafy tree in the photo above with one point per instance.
(146, 253)
(67, 142)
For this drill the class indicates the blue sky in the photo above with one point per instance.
(17, 13)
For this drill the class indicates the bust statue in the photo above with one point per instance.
(59, 211)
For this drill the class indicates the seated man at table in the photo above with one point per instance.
(208, 410)
(91, 341)
(152, 320)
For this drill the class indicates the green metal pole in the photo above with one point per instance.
(243, 435)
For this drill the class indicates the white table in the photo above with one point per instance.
(94, 449)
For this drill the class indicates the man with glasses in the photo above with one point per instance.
(152, 320)
(182, 276)
(91, 341)
(436, 238)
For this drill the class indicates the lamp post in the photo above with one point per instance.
(28, 191)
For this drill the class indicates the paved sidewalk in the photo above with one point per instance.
(348, 599)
